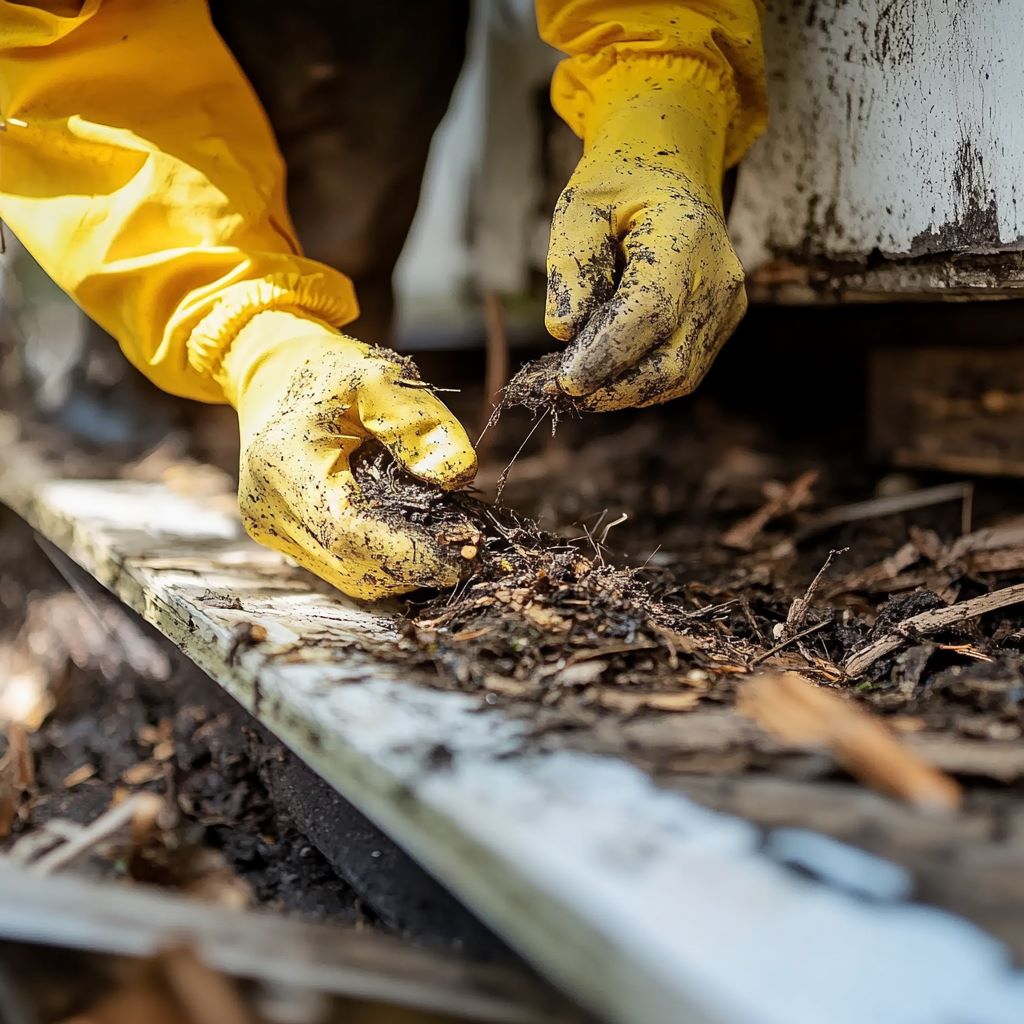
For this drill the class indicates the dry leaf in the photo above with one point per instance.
(799, 712)
(546, 618)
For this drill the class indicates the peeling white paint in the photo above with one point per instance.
(894, 125)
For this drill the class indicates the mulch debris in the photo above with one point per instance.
(716, 556)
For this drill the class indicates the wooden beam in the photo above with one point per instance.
(646, 906)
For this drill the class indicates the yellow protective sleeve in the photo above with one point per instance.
(614, 46)
(138, 167)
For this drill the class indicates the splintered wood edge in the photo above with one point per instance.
(644, 905)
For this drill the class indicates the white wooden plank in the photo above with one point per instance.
(103, 917)
(646, 906)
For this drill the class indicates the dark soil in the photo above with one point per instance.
(129, 714)
(535, 388)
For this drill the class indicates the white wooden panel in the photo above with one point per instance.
(896, 125)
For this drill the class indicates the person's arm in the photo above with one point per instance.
(138, 167)
(642, 278)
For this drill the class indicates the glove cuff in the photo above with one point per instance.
(586, 89)
(308, 295)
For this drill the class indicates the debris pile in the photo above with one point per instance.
(764, 566)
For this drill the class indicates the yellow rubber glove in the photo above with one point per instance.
(642, 278)
(307, 398)
(138, 167)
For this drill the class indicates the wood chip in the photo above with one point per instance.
(471, 634)
(164, 750)
(788, 499)
(582, 674)
(507, 686)
(81, 774)
(931, 622)
(602, 652)
(546, 619)
(9, 798)
(143, 772)
(1007, 537)
(627, 701)
(792, 708)
(17, 778)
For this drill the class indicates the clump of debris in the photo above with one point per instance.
(535, 388)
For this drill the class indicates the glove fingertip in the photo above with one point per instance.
(443, 456)
(562, 307)
(560, 328)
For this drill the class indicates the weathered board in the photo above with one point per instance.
(646, 906)
(895, 147)
(118, 920)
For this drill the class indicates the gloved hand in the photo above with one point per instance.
(307, 398)
(642, 278)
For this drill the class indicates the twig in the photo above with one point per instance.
(890, 505)
(611, 525)
(503, 478)
(496, 372)
(799, 608)
(791, 707)
(790, 640)
(930, 622)
(791, 497)
(138, 808)
(967, 509)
